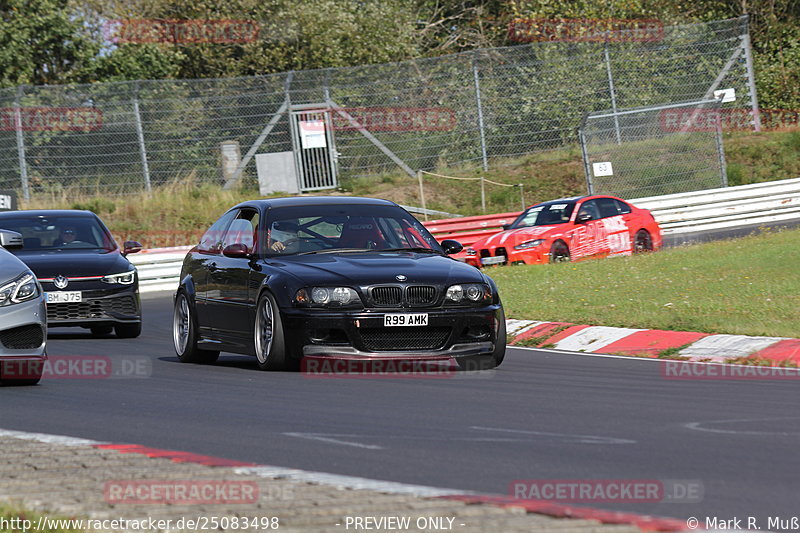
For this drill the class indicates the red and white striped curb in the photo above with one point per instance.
(558, 510)
(652, 342)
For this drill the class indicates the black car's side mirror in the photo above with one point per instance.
(10, 240)
(131, 247)
(583, 217)
(236, 249)
(451, 247)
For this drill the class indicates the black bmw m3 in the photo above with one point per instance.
(333, 277)
(88, 281)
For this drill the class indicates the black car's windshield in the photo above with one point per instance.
(545, 215)
(346, 229)
(60, 232)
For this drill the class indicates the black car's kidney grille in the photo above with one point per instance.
(420, 294)
(404, 338)
(386, 295)
(22, 337)
(124, 305)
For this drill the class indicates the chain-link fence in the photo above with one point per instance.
(657, 150)
(479, 107)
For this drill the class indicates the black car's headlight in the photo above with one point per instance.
(328, 297)
(468, 294)
(20, 290)
(529, 244)
(124, 278)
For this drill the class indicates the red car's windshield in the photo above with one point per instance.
(545, 215)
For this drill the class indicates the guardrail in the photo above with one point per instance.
(760, 203)
(728, 207)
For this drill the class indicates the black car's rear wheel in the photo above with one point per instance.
(268, 335)
(486, 362)
(184, 334)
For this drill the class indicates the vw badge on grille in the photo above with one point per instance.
(60, 282)
(400, 277)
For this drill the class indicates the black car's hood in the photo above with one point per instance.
(377, 267)
(74, 263)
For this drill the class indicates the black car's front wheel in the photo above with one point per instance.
(184, 334)
(268, 335)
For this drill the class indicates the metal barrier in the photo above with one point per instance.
(730, 207)
(711, 209)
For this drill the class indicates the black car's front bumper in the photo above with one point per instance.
(451, 332)
(101, 305)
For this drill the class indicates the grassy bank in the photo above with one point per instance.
(748, 286)
(178, 213)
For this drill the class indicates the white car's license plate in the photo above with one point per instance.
(64, 297)
(406, 319)
(493, 260)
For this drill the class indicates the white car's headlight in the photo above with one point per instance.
(22, 289)
(529, 244)
(468, 294)
(124, 278)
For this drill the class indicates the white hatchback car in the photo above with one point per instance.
(23, 318)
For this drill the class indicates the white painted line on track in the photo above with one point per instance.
(584, 439)
(49, 439)
(348, 482)
(321, 437)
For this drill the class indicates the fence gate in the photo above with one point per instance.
(314, 147)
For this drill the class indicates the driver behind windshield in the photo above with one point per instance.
(66, 236)
(283, 237)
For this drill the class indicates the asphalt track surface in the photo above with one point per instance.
(541, 415)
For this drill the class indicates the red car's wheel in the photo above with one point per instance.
(559, 252)
(643, 242)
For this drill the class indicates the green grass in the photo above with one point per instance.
(748, 286)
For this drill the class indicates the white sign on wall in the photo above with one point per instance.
(312, 134)
(728, 95)
(602, 169)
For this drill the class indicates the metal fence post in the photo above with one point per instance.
(23, 164)
(751, 79)
(422, 194)
(483, 195)
(723, 167)
(522, 196)
(140, 136)
(582, 139)
(611, 91)
(480, 112)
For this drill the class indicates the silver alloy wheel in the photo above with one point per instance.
(263, 331)
(180, 325)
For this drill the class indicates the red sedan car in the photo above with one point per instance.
(570, 229)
